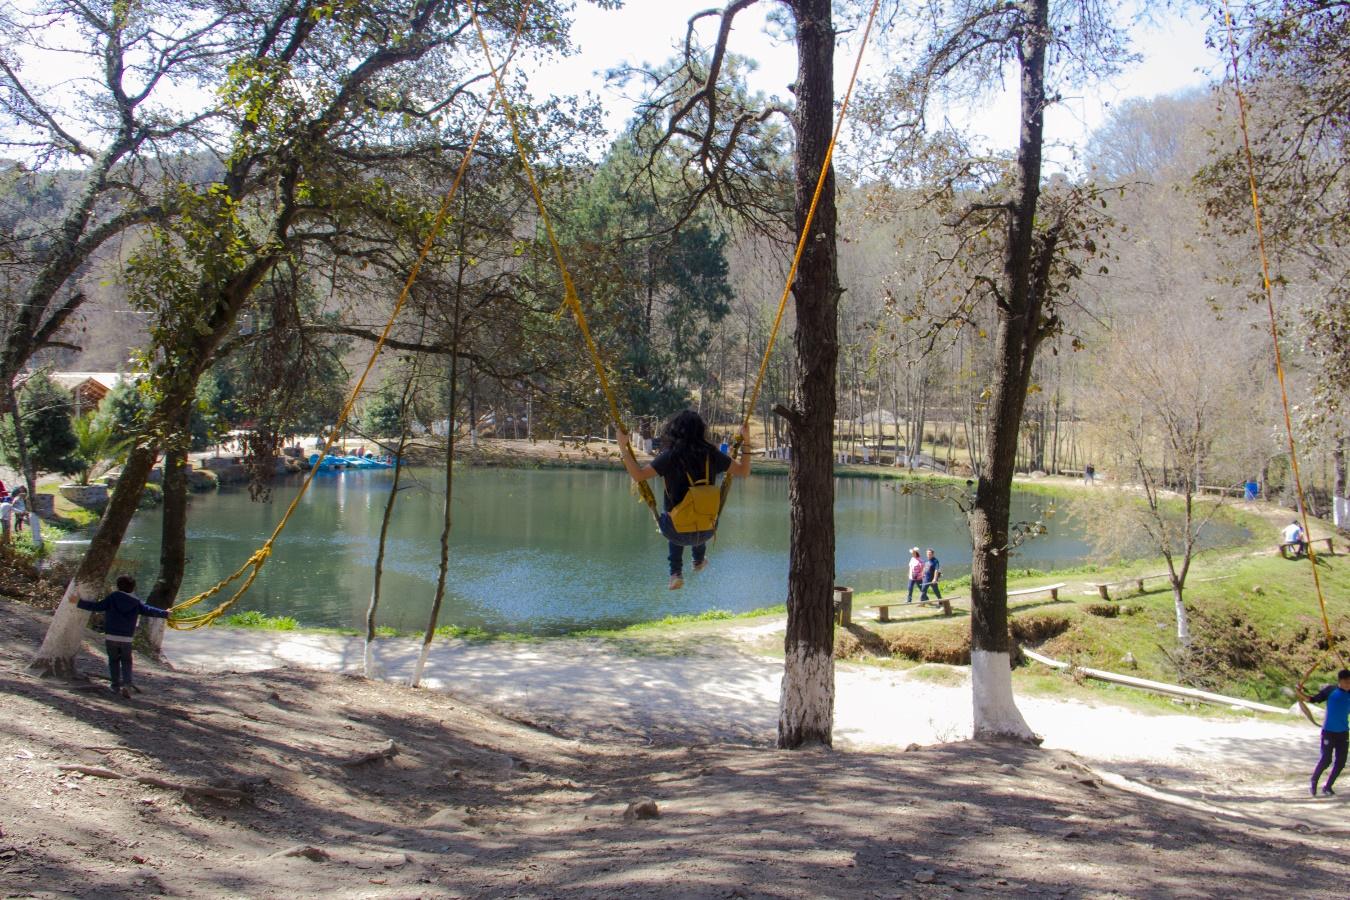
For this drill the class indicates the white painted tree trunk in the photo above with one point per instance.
(66, 633)
(421, 664)
(154, 628)
(806, 703)
(996, 713)
(1341, 512)
(35, 524)
(1183, 620)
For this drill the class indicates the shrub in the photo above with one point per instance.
(254, 619)
(52, 445)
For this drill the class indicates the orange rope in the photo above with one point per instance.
(253, 566)
(753, 397)
(1275, 340)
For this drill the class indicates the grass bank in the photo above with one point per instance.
(254, 619)
(1255, 625)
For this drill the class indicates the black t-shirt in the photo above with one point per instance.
(678, 464)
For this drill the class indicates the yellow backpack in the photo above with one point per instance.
(699, 508)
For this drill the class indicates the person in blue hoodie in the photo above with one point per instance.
(1335, 729)
(120, 611)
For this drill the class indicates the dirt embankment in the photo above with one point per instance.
(286, 783)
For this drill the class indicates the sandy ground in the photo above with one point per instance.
(719, 687)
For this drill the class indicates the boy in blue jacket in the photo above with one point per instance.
(120, 611)
(1335, 729)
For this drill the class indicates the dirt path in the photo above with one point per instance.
(465, 803)
(719, 689)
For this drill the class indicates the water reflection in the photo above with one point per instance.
(548, 551)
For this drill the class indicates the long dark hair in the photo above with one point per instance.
(685, 431)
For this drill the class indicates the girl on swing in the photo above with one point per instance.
(687, 459)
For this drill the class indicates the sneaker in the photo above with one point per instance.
(114, 688)
(700, 565)
(1312, 789)
(676, 582)
(1328, 792)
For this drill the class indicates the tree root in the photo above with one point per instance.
(243, 792)
(118, 750)
(388, 751)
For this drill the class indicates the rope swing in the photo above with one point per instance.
(573, 302)
(1332, 649)
(253, 566)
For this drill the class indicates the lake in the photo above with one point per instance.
(549, 550)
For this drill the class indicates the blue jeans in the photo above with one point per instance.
(930, 586)
(913, 583)
(676, 556)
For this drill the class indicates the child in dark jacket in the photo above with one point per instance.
(120, 611)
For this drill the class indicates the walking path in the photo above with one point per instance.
(1240, 766)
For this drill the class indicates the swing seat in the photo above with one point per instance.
(682, 538)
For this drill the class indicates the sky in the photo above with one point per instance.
(650, 31)
(1173, 49)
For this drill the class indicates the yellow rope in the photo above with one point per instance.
(255, 563)
(570, 298)
(753, 398)
(1279, 364)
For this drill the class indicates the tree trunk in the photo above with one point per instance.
(173, 539)
(806, 706)
(1019, 332)
(442, 572)
(995, 712)
(368, 662)
(20, 440)
(1183, 620)
(920, 418)
(56, 656)
(1054, 443)
(1340, 511)
(69, 246)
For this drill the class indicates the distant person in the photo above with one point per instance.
(687, 459)
(6, 518)
(1294, 538)
(121, 609)
(932, 572)
(915, 574)
(18, 502)
(1335, 730)
(1089, 474)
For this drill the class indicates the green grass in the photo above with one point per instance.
(951, 676)
(470, 633)
(69, 516)
(263, 622)
(254, 619)
(1255, 619)
(676, 622)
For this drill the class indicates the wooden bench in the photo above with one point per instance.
(884, 609)
(1284, 547)
(1052, 588)
(1103, 588)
